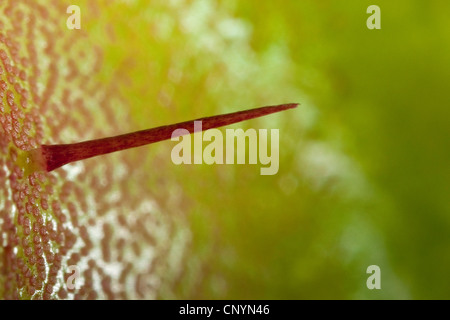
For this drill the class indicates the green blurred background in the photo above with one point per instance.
(364, 161)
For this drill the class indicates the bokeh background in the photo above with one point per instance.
(364, 172)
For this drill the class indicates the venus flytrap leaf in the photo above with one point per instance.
(106, 219)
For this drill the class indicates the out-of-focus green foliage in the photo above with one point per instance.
(364, 162)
